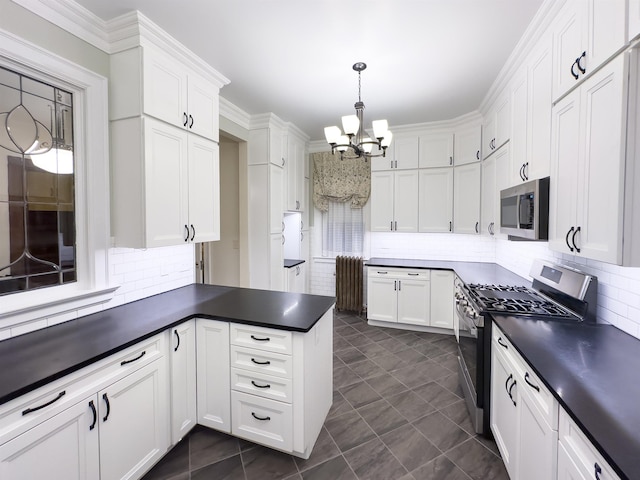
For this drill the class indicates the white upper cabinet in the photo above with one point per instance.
(587, 33)
(435, 195)
(466, 202)
(402, 154)
(436, 150)
(467, 145)
(168, 90)
(394, 201)
(497, 126)
(294, 168)
(531, 116)
(204, 189)
(634, 19)
(588, 166)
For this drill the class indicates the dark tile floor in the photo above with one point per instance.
(397, 413)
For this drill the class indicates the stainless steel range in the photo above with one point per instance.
(557, 293)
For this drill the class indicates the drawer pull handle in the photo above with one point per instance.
(178, 338)
(506, 384)
(95, 415)
(501, 343)
(597, 470)
(106, 400)
(510, 394)
(260, 363)
(258, 339)
(124, 362)
(260, 386)
(413, 274)
(526, 379)
(35, 409)
(383, 273)
(262, 419)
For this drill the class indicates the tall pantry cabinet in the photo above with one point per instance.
(164, 146)
(269, 170)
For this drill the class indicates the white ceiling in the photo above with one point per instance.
(427, 59)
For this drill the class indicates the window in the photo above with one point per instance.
(37, 204)
(343, 230)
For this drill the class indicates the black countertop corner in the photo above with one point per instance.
(469, 272)
(592, 369)
(32, 360)
(290, 262)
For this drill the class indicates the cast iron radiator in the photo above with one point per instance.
(349, 283)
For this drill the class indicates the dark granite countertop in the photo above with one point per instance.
(290, 262)
(592, 369)
(32, 360)
(469, 272)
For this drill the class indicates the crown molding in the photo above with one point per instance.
(267, 120)
(234, 114)
(542, 20)
(71, 17)
(121, 33)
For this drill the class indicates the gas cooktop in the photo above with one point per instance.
(515, 300)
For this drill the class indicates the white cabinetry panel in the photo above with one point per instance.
(435, 208)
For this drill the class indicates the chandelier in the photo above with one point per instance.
(354, 136)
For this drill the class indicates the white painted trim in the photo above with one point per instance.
(92, 175)
(266, 120)
(71, 17)
(234, 114)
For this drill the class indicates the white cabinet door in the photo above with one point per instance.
(414, 299)
(382, 201)
(164, 88)
(503, 121)
(62, 447)
(202, 107)
(563, 192)
(466, 203)
(204, 190)
(588, 165)
(382, 298)
(166, 195)
(538, 443)
(435, 200)
(132, 417)
(488, 196)
(519, 115)
(405, 152)
(587, 34)
(183, 380)
(538, 156)
(276, 208)
(504, 412)
(442, 299)
(600, 200)
(466, 145)
(276, 262)
(213, 380)
(435, 150)
(567, 468)
(405, 196)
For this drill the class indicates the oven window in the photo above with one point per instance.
(509, 212)
(468, 344)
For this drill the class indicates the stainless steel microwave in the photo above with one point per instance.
(524, 210)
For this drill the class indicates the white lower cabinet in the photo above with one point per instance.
(524, 414)
(63, 446)
(214, 404)
(577, 457)
(182, 351)
(295, 279)
(106, 421)
(132, 417)
(417, 297)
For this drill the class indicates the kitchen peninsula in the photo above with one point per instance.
(125, 379)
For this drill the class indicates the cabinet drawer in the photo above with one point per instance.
(531, 385)
(400, 273)
(581, 451)
(47, 401)
(262, 420)
(268, 339)
(267, 386)
(261, 362)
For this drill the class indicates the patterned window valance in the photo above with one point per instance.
(337, 180)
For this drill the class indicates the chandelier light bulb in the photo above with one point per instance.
(380, 128)
(332, 134)
(350, 124)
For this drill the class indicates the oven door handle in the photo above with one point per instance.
(469, 325)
